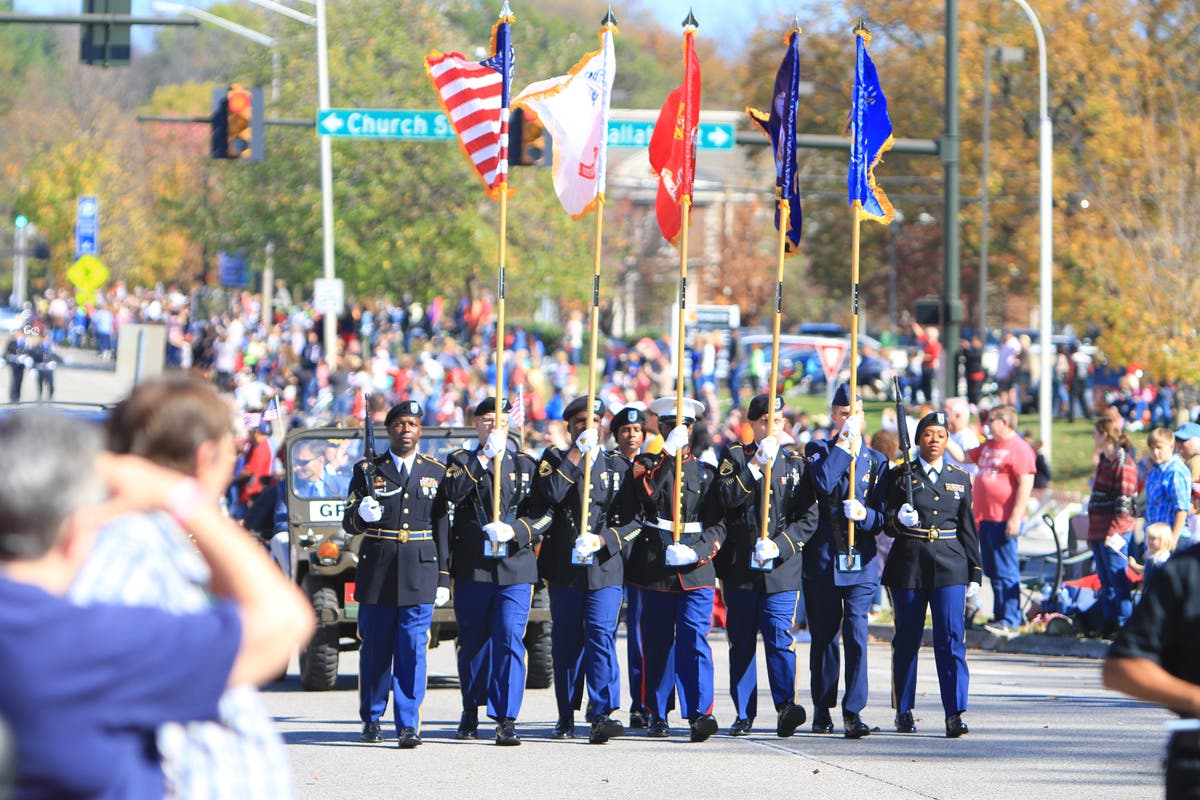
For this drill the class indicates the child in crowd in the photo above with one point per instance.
(1160, 544)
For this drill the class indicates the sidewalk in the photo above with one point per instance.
(1039, 644)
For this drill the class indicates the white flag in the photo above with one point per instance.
(573, 108)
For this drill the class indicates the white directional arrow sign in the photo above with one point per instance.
(332, 123)
(717, 137)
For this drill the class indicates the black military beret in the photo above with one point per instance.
(579, 404)
(408, 408)
(758, 406)
(488, 406)
(629, 415)
(932, 418)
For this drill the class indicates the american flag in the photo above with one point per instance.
(516, 412)
(475, 97)
(253, 419)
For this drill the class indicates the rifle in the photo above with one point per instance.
(905, 443)
(369, 453)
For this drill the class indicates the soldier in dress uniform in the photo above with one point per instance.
(761, 578)
(494, 570)
(402, 572)
(841, 577)
(583, 565)
(934, 563)
(677, 579)
(628, 432)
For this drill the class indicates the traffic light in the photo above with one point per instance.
(237, 123)
(106, 44)
(528, 143)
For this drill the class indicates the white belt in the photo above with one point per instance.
(669, 525)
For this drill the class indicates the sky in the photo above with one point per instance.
(734, 19)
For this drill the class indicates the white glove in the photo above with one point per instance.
(854, 510)
(972, 589)
(852, 427)
(495, 444)
(907, 516)
(768, 448)
(441, 597)
(676, 440)
(369, 510)
(27, 361)
(499, 532)
(587, 441)
(588, 543)
(679, 555)
(765, 550)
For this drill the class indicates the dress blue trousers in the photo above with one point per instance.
(584, 644)
(490, 646)
(633, 646)
(838, 613)
(1003, 569)
(394, 641)
(675, 650)
(949, 647)
(772, 615)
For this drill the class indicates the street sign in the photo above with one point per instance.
(373, 123)
(329, 296)
(711, 136)
(87, 227)
(87, 274)
(832, 355)
(232, 270)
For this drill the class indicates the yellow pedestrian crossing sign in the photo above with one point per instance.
(87, 274)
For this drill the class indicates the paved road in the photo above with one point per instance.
(1041, 727)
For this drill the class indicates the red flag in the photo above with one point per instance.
(673, 143)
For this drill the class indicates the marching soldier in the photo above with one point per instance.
(841, 577)
(494, 569)
(584, 569)
(934, 563)
(761, 578)
(628, 431)
(677, 579)
(402, 572)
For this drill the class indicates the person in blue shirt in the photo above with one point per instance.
(103, 678)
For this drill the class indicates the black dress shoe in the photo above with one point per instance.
(905, 723)
(955, 727)
(371, 733)
(703, 727)
(605, 728)
(564, 728)
(468, 724)
(409, 738)
(506, 732)
(791, 716)
(855, 728)
(822, 722)
(639, 719)
(659, 729)
(740, 727)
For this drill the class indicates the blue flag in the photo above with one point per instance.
(780, 125)
(871, 135)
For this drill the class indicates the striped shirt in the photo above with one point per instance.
(145, 560)
(1115, 477)
(1168, 491)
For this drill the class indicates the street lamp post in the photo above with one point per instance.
(1046, 234)
(20, 227)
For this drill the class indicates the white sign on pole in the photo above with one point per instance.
(832, 355)
(329, 296)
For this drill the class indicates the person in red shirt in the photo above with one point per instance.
(932, 351)
(256, 473)
(1001, 492)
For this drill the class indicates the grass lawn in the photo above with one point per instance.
(1072, 441)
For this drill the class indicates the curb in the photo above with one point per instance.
(1038, 644)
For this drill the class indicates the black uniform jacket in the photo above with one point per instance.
(468, 488)
(652, 483)
(559, 484)
(919, 558)
(792, 521)
(392, 572)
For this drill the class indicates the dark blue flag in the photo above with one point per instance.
(871, 135)
(780, 125)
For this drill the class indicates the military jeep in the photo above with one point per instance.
(318, 464)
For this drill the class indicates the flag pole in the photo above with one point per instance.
(498, 459)
(784, 214)
(855, 237)
(594, 328)
(685, 205)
